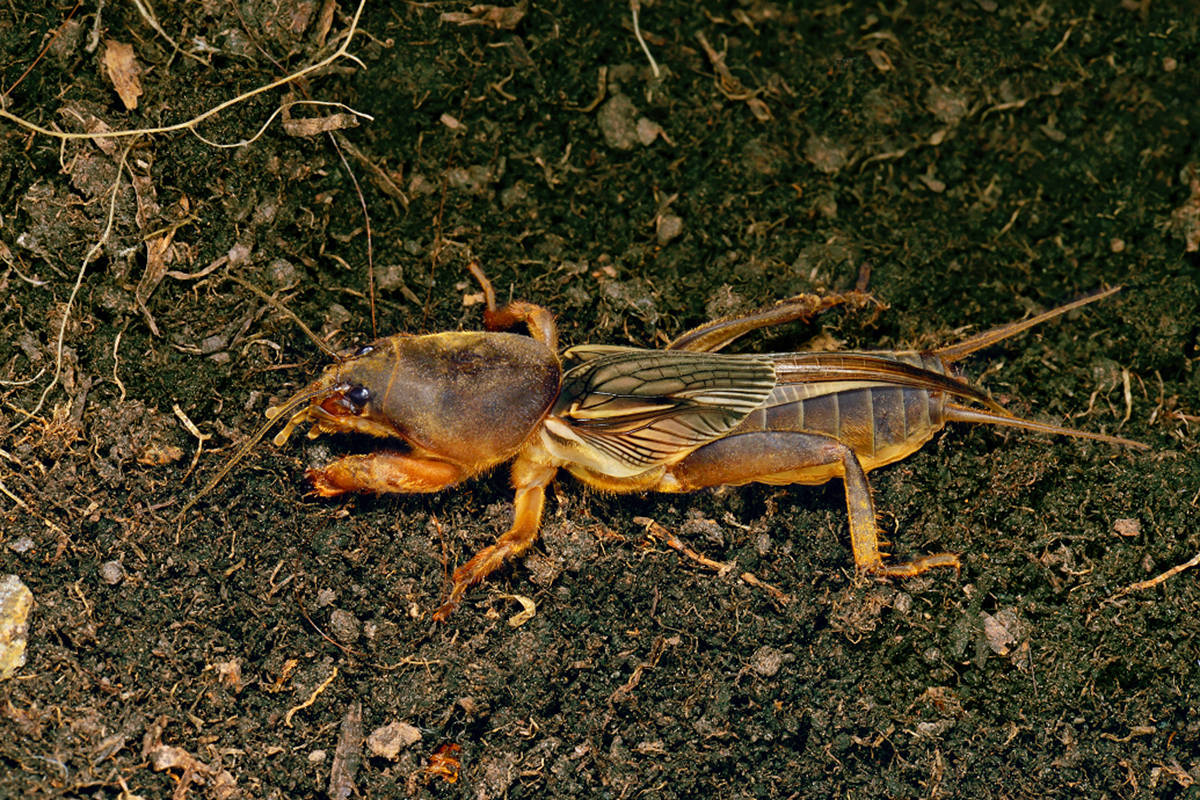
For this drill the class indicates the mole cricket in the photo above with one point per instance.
(454, 405)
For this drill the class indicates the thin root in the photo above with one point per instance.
(1157, 579)
(720, 567)
(190, 125)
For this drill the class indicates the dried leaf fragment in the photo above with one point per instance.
(15, 602)
(157, 454)
(388, 741)
(444, 763)
(730, 86)
(315, 126)
(502, 18)
(123, 71)
(880, 59)
(527, 612)
(1003, 631)
(222, 784)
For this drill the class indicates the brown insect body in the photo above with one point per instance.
(449, 394)
(882, 424)
(626, 419)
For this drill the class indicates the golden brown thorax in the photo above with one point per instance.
(466, 397)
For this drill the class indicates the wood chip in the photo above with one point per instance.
(315, 126)
(348, 754)
(123, 71)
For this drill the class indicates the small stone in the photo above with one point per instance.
(238, 254)
(22, 544)
(948, 105)
(648, 130)
(15, 602)
(283, 273)
(514, 195)
(1117, 245)
(617, 119)
(390, 277)
(264, 213)
(388, 741)
(316, 756)
(344, 626)
(669, 227)
(475, 179)
(112, 572)
(766, 661)
(825, 154)
(826, 205)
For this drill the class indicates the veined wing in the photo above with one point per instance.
(840, 371)
(643, 408)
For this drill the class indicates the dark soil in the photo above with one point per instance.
(973, 163)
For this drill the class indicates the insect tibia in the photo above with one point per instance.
(957, 413)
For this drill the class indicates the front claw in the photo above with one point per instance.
(323, 484)
(383, 473)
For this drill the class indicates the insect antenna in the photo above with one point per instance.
(287, 312)
(276, 413)
(955, 352)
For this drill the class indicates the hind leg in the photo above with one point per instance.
(712, 336)
(806, 458)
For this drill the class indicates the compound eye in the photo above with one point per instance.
(359, 395)
(362, 351)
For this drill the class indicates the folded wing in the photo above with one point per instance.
(645, 408)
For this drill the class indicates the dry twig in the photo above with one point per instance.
(1157, 579)
(190, 124)
(66, 316)
(720, 567)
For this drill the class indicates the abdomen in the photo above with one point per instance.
(880, 422)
